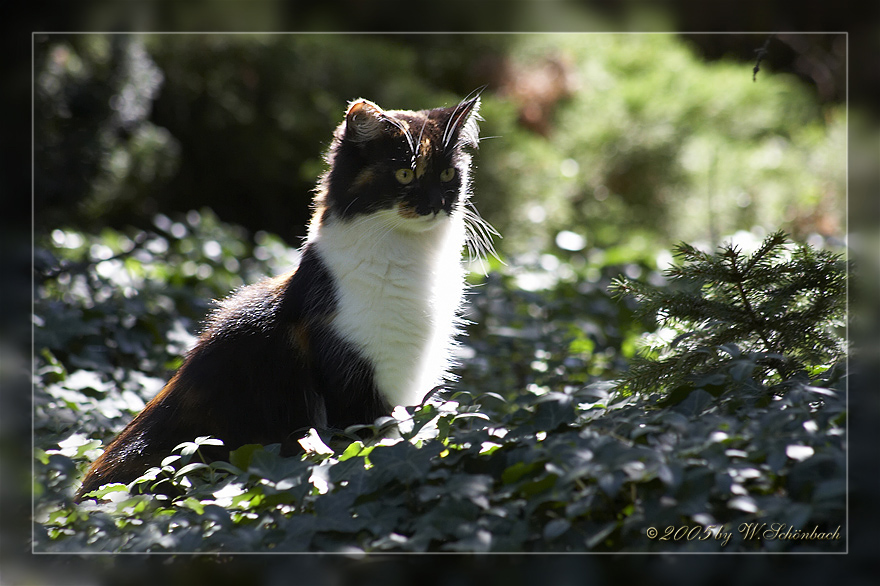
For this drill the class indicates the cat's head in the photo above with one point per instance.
(411, 166)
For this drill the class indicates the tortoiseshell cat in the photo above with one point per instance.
(364, 323)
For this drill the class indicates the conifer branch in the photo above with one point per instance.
(777, 308)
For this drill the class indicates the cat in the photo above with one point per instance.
(364, 323)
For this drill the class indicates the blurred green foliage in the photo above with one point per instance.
(647, 139)
(614, 136)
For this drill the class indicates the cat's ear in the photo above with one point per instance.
(363, 121)
(461, 126)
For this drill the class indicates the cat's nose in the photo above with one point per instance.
(437, 201)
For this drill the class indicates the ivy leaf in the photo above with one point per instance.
(695, 402)
(519, 469)
(555, 528)
(554, 410)
(598, 534)
(402, 462)
(243, 456)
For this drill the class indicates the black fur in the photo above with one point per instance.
(267, 369)
(396, 147)
(269, 366)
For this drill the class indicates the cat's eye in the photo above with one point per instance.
(404, 176)
(447, 175)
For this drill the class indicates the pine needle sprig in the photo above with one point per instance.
(780, 307)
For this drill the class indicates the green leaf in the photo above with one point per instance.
(191, 468)
(194, 504)
(355, 449)
(402, 462)
(241, 457)
(554, 410)
(599, 534)
(107, 489)
(186, 448)
(41, 456)
(518, 470)
(544, 483)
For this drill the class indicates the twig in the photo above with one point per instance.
(762, 52)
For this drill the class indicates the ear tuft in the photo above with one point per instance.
(461, 127)
(363, 121)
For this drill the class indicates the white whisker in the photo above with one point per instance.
(479, 235)
(349, 205)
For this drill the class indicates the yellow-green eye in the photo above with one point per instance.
(404, 176)
(447, 175)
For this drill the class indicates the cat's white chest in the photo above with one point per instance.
(398, 295)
